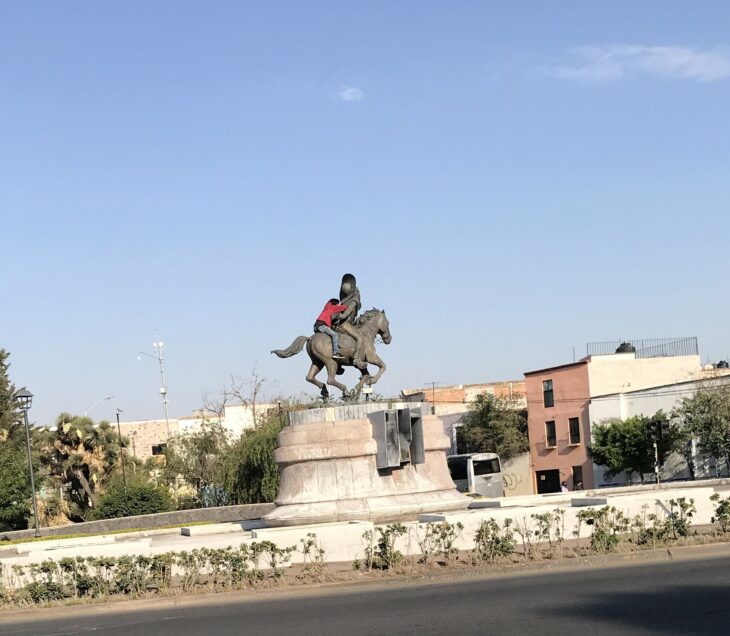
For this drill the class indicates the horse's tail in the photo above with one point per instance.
(294, 348)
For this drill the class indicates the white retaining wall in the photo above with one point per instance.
(343, 541)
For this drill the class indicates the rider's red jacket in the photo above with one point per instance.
(326, 316)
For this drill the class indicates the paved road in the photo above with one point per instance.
(673, 597)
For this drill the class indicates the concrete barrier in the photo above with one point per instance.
(341, 541)
(113, 549)
(40, 546)
(485, 503)
(668, 485)
(344, 542)
(219, 514)
(579, 502)
(212, 528)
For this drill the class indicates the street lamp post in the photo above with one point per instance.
(24, 398)
(121, 450)
(95, 404)
(159, 355)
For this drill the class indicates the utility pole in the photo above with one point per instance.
(159, 355)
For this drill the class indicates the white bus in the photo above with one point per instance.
(477, 473)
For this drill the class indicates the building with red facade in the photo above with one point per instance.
(558, 400)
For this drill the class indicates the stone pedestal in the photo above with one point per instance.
(328, 472)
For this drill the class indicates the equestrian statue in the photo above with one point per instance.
(342, 338)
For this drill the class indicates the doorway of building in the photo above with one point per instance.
(547, 481)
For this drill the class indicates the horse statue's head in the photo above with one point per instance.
(384, 330)
(379, 320)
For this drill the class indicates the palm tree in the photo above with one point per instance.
(81, 457)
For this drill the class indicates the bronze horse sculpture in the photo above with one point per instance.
(371, 324)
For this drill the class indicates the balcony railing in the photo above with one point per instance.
(648, 348)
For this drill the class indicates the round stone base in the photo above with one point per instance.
(329, 473)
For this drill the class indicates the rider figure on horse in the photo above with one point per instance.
(347, 320)
(359, 352)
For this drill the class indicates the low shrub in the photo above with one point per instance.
(314, 566)
(608, 526)
(132, 500)
(721, 514)
(439, 538)
(98, 577)
(492, 542)
(550, 529)
(380, 552)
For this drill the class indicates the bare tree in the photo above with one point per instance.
(215, 405)
(245, 391)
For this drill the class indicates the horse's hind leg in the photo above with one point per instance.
(311, 377)
(332, 366)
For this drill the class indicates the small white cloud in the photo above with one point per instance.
(618, 61)
(351, 94)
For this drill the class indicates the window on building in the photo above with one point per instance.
(550, 439)
(159, 449)
(577, 477)
(574, 423)
(547, 393)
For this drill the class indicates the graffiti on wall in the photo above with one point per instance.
(512, 481)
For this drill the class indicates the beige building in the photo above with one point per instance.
(456, 398)
(646, 402)
(148, 438)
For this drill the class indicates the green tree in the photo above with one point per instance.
(252, 475)
(10, 415)
(706, 416)
(81, 457)
(493, 425)
(15, 492)
(623, 446)
(199, 458)
(682, 437)
(15, 489)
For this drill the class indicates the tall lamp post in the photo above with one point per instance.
(159, 355)
(95, 404)
(24, 398)
(121, 450)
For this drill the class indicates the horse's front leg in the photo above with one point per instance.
(332, 377)
(378, 362)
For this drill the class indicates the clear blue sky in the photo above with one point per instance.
(508, 180)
